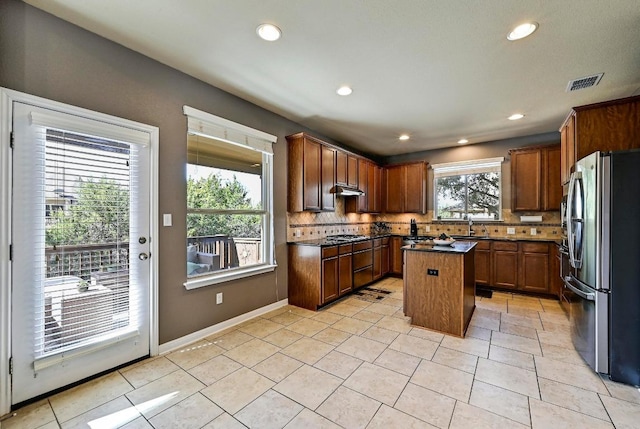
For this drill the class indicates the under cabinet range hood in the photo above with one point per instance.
(345, 191)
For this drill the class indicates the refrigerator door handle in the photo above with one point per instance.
(572, 181)
(573, 221)
(589, 296)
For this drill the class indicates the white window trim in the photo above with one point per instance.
(7, 98)
(212, 126)
(461, 167)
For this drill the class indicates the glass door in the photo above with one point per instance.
(80, 234)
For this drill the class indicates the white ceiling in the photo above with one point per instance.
(437, 70)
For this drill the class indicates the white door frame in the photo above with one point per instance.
(7, 97)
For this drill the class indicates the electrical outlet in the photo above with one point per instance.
(427, 228)
(298, 233)
(432, 272)
(511, 230)
(219, 298)
(533, 231)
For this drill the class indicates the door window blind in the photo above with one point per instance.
(81, 193)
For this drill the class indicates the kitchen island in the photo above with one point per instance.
(439, 286)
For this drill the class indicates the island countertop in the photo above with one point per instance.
(457, 247)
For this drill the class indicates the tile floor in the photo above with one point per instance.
(358, 364)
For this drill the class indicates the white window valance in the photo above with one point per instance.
(208, 125)
(467, 167)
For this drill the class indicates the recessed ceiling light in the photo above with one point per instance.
(404, 137)
(522, 31)
(515, 116)
(269, 32)
(344, 90)
(463, 141)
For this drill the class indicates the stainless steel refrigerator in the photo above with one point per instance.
(603, 229)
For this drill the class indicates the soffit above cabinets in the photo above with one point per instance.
(438, 71)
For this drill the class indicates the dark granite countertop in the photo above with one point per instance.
(423, 239)
(457, 247)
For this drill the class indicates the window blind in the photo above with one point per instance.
(486, 165)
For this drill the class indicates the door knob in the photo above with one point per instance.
(143, 256)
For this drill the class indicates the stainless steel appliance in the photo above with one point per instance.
(603, 229)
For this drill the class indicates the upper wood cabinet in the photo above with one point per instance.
(535, 178)
(346, 169)
(369, 182)
(608, 126)
(406, 188)
(312, 170)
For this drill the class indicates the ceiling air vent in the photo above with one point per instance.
(584, 82)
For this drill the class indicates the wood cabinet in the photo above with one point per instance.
(406, 188)
(534, 267)
(386, 262)
(362, 263)
(345, 268)
(444, 301)
(505, 264)
(525, 265)
(483, 263)
(535, 178)
(318, 275)
(380, 257)
(311, 174)
(327, 178)
(369, 182)
(395, 255)
(346, 169)
(330, 279)
(607, 126)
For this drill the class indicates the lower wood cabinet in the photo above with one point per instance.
(380, 257)
(345, 269)
(395, 255)
(524, 266)
(483, 263)
(505, 264)
(534, 267)
(330, 279)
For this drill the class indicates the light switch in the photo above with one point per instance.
(167, 220)
(534, 231)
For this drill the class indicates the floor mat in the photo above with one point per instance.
(485, 293)
(371, 294)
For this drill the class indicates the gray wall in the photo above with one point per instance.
(50, 58)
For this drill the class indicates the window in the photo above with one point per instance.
(468, 190)
(229, 205)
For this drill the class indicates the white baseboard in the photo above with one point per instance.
(203, 333)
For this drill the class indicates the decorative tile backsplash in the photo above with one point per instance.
(308, 226)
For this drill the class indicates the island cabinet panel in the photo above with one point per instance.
(442, 302)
